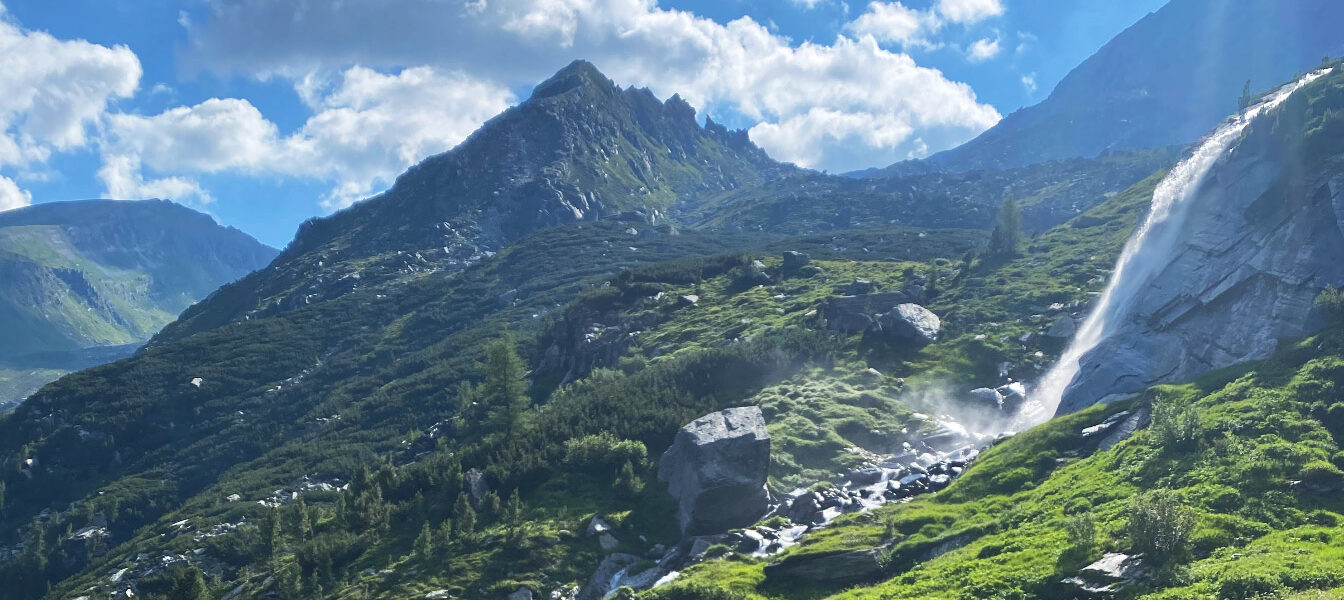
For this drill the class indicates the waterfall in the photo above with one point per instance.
(1153, 241)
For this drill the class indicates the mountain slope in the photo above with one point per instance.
(1165, 80)
(579, 149)
(81, 282)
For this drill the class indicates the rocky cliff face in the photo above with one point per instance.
(1264, 233)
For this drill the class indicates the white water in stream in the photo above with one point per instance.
(1151, 244)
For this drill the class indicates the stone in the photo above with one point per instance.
(598, 526)
(1014, 397)
(1062, 329)
(860, 286)
(795, 260)
(809, 271)
(607, 542)
(522, 593)
(986, 398)
(507, 298)
(1107, 576)
(910, 323)
(847, 567)
(858, 313)
(716, 470)
(476, 485)
(196, 382)
(599, 583)
(688, 300)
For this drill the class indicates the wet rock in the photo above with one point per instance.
(1062, 329)
(986, 398)
(606, 571)
(716, 470)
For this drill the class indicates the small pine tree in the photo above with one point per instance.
(464, 522)
(1244, 100)
(513, 509)
(1330, 303)
(2, 497)
(490, 504)
(1006, 237)
(628, 483)
(189, 584)
(424, 543)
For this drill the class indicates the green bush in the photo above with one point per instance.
(692, 591)
(1176, 426)
(1322, 474)
(1247, 585)
(1330, 303)
(603, 452)
(1159, 526)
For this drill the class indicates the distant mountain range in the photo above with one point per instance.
(1165, 80)
(85, 282)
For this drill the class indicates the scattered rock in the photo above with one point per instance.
(1134, 422)
(688, 300)
(607, 542)
(522, 593)
(716, 470)
(986, 398)
(809, 271)
(507, 298)
(197, 381)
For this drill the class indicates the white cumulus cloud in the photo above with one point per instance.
(790, 91)
(969, 11)
(982, 50)
(366, 128)
(11, 196)
(54, 92)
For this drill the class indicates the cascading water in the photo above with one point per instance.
(1154, 239)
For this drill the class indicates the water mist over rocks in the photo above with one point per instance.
(1233, 250)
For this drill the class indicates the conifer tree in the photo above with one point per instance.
(504, 388)
(1006, 237)
(424, 543)
(464, 516)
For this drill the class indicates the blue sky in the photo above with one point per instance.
(266, 112)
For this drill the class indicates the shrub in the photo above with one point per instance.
(692, 591)
(1322, 475)
(603, 453)
(1242, 585)
(1176, 426)
(1330, 303)
(1159, 527)
(1082, 531)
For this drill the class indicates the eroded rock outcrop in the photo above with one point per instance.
(1257, 239)
(716, 470)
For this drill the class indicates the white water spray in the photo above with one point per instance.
(1153, 241)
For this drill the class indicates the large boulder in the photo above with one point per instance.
(795, 260)
(910, 323)
(716, 470)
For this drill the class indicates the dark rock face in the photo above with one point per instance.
(853, 566)
(716, 470)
